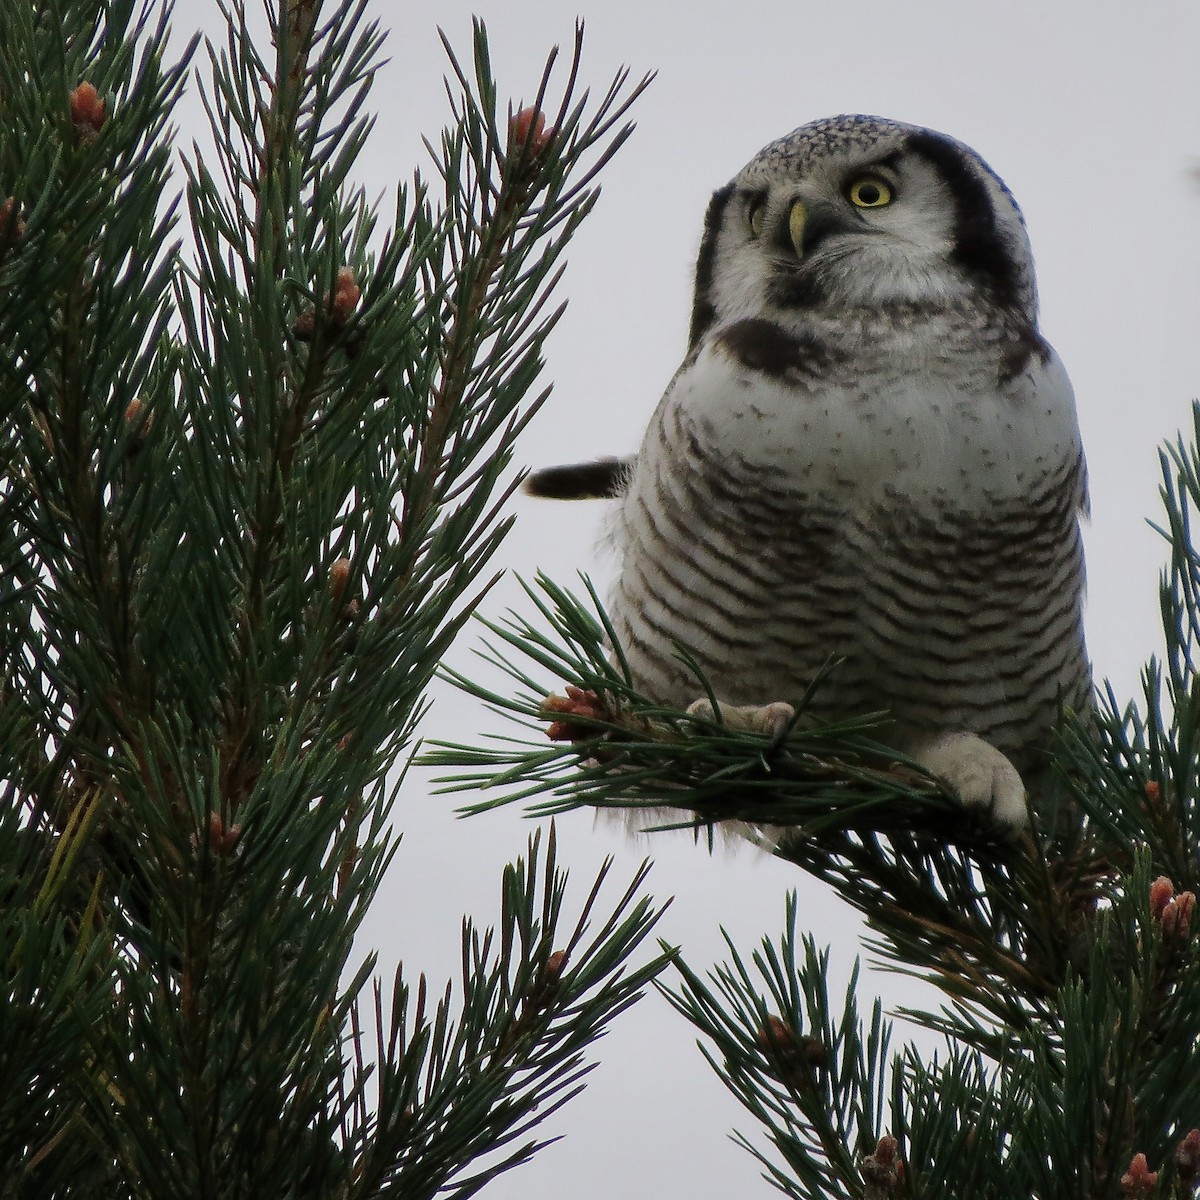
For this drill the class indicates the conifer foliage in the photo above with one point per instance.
(1068, 960)
(252, 459)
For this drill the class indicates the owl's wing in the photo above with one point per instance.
(603, 479)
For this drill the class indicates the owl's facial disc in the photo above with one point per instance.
(861, 213)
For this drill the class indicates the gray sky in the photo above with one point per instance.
(1092, 116)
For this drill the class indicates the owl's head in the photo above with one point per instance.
(861, 212)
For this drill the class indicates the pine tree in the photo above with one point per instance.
(1066, 961)
(253, 459)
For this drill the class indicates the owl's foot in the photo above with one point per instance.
(769, 720)
(978, 773)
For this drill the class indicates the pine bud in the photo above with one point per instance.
(1139, 1180)
(885, 1150)
(138, 421)
(88, 113)
(528, 129)
(815, 1053)
(542, 992)
(336, 307)
(1186, 902)
(794, 1058)
(1161, 891)
(1152, 794)
(1177, 915)
(578, 702)
(555, 964)
(304, 327)
(346, 295)
(339, 573)
(776, 1036)
(881, 1170)
(1187, 1157)
(222, 840)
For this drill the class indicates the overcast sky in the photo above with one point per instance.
(1090, 113)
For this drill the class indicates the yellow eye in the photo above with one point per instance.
(758, 211)
(869, 192)
(796, 222)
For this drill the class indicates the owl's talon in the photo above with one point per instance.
(768, 720)
(979, 775)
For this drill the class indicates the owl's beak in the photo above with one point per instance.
(811, 224)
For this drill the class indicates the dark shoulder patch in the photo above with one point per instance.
(1026, 344)
(602, 479)
(761, 345)
(703, 310)
(978, 245)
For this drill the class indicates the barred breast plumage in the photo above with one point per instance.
(869, 455)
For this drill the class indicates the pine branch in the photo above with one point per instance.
(989, 922)
(1067, 960)
(819, 1092)
(459, 1097)
(1060, 1111)
(250, 494)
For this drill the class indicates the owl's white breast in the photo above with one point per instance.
(905, 512)
(905, 420)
